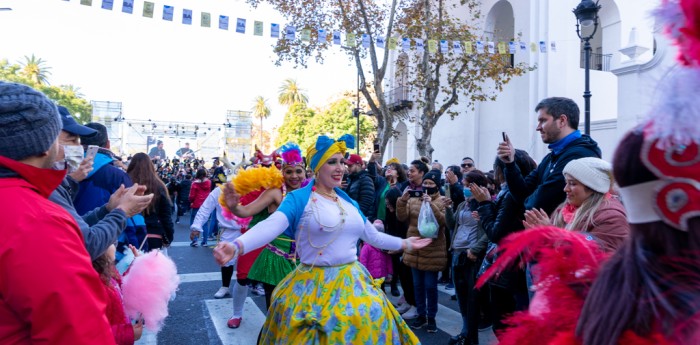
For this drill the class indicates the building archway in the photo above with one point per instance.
(500, 23)
(606, 42)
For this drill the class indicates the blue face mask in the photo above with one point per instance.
(467, 192)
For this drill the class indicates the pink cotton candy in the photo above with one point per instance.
(148, 286)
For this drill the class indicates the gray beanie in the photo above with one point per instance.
(593, 173)
(29, 121)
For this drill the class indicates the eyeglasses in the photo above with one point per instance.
(468, 165)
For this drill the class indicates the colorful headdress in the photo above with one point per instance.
(325, 147)
(261, 159)
(672, 132)
(291, 155)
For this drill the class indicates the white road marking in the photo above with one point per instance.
(220, 311)
(147, 338)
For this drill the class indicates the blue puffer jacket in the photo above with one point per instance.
(102, 181)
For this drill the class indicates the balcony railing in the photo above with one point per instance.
(399, 98)
(599, 62)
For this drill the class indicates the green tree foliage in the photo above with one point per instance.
(302, 125)
(261, 111)
(66, 95)
(290, 93)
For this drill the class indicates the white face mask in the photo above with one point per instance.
(73, 157)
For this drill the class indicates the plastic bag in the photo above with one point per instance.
(427, 223)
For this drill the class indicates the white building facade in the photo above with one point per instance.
(629, 57)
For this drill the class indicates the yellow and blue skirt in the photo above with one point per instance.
(333, 305)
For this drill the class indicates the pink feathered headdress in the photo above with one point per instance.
(148, 286)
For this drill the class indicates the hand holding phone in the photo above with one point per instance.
(415, 193)
(91, 152)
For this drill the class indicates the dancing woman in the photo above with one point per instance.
(278, 257)
(330, 297)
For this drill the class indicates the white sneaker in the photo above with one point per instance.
(411, 313)
(223, 291)
(402, 308)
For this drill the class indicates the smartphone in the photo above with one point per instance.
(91, 152)
(415, 193)
(504, 136)
(376, 147)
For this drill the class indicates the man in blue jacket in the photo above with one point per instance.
(557, 122)
(105, 178)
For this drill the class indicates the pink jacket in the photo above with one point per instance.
(199, 192)
(378, 263)
(121, 325)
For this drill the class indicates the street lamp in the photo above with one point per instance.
(586, 15)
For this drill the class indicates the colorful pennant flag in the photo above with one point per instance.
(128, 6)
(543, 47)
(380, 42)
(86, 2)
(306, 35)
(322, 36)
(336, 37)
(468, 48)
(107, 4)
(405, 44)
(479, 47)
(240, 25)
(350, 40)
(187, 17)
(365, 41)
(257, 28)
(444, 47)
(533, 47)
(457, 47)
(491, 48)
(290, 33)
(420, 45)
(523, 47)
(393, 43)
(274, 30)
(502, 48)
(168, 12)
(553, 46)
(432, 46)
(205, 19)
(148, 8)
(512, 48)
(223, 22)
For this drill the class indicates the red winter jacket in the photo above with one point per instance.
(378, 263)
(199, 192)
(121, 325)
(49, 292)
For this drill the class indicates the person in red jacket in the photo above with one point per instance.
(64, 304)
(201, 187)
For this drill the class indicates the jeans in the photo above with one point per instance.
(213, 228)
(205, 227)
(425, 284)
(464, 273)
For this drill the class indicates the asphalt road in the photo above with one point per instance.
(197, 318)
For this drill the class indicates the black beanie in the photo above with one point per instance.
(433, 176)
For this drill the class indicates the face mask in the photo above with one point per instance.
(59, 165)
(467, 192)
(431, 191)
(74, 156)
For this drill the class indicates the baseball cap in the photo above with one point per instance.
(353, 159)
(71, 126)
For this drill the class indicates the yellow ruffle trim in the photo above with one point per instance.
(254, 179)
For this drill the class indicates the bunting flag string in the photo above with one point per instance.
(360, 39)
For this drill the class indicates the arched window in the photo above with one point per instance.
(500, 25)
(606, 40)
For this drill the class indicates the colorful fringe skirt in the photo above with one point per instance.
(275, 262)
(333, 305)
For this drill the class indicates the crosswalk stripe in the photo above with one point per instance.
(447, 320)
(253, 319)
(199, 277)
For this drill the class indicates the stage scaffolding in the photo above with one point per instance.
(207, 140)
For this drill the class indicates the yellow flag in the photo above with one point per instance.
(393, 43)
(432, 46)
(86, 2)
(350, 40)
(306, 35)
(502, 48)
(468, 47)
(258, 28)
(533, 47)
(148, 9)
(206, 19)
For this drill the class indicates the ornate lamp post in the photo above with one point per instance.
(586, 15)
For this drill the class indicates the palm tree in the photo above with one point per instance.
(290, 93)
(35, 69)
(74, 89)
(261, 111)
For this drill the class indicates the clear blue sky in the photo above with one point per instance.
(159, 69)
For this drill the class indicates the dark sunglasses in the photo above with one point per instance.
(467, 165)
